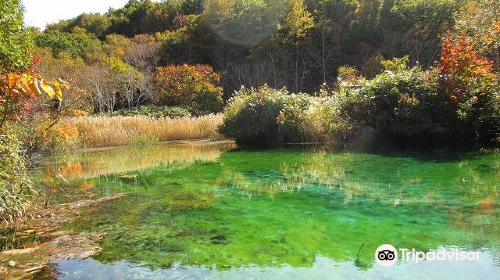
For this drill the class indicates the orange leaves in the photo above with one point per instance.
(76, 113)
(461, 66)
(183, 73)
(15, 88)
(179, 85)
(458, 57)
(27, 85)
(66, 131)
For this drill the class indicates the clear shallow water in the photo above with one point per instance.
(205, 211)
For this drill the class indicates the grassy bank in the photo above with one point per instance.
(98, 131)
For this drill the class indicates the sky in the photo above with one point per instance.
(40, 12)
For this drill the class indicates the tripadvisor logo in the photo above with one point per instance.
(387, 255)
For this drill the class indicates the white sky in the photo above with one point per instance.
(41, 12)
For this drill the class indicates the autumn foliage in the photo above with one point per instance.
(191, 86)
(461, 66)
(469, 81)
(15, 88)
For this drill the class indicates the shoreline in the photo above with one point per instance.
(49, 243)
(170, 142)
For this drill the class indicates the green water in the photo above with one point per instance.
(209, 211)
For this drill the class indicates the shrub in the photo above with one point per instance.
(405, 107)
(414, 107)
(191, 86)
(468, 81)
(402, 106)
(392, 103)
(266, 115)
(15, 186)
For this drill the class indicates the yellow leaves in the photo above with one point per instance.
(497, 27)
(66, 131)
(47, 88)
(54, 89)
(58, 86)
(30, 85)
(181, 84)
(299, 20)
(19, 85)
(35, 87)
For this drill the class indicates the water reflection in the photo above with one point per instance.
(322, 268)
(279, 210)
(87, 165)
(68, 176)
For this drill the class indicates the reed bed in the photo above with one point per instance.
(98, 131)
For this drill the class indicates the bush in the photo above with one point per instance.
(405, 107)
(191, 86)
(15, 186)
(151, 111)
(398, 105)
(266, 115)
(468, 82)
(410, 107)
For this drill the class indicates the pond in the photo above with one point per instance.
(202, 210)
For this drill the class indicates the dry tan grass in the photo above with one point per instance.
(118, 131)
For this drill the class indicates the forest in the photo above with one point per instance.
(295, 44)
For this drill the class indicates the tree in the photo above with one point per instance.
(16, 42)
(128, 83)
(192, 86)
(480, 21)
(326, 34)
(143, 53)
(76, 45)
(297, 24)
(244, 22)
(467, 78)
(461, 66)
(18, 83)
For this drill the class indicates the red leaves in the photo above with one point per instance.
(461, 66)
(458, 57)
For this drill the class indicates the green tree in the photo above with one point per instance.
(76, 45)
(298, 23)
(15, 42)
(244, 22)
